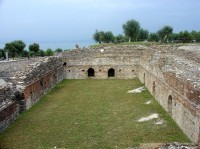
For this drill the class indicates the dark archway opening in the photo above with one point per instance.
(111, 72)
(170, 104)
(144, 78)
(90, 72)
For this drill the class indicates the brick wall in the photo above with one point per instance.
(33, 79)
(182, 110)
(9, 109)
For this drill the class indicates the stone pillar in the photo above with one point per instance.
(7, 59)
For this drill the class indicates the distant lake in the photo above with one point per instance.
(54, 45)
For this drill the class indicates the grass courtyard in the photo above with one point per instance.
(91, 114)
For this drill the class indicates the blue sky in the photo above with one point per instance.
(74, 21)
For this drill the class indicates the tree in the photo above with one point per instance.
(119, 38)
(31, 53)
(25, 53)
(58, 50)
(96, 36)
(48, 52)
(143, 35)
(195, 36)
(108, 37)
(174, 38)
(153, 37)
(41, 53)
(131, 29)
(10, 49)
(185, 36)
(164, 33)
(15, 48)
(101, 37)
(19, 45)
(34, 48)
(2, 53)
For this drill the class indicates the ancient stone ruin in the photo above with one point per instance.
(170, 73)
(23, 82)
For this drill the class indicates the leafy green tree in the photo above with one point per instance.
(101, 37)
(164, 33)
(15, 48)
(49, 52)
(174, 38)
(58, 50)
(96, 36)
(153, 37)
(185, 36)
(195, 36)
(108, 37)
(143, 35)
(19, 45)
(10, 49)
(131, 29)
(119, 39)
(41, 53)
(2, 53)
(31, 53)
(34, 48)
(25, 53)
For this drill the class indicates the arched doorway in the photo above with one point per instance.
(170, 104)
(111, 72)
(90, 72)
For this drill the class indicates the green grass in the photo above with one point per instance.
(91, 114)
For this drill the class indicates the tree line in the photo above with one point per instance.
(17, 49)
(133, 33)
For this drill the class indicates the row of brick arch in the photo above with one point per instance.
(91, 72)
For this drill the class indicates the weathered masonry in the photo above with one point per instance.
(103, 63)
(171, 74)
(23, 82)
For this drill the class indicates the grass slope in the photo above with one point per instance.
(90, 114)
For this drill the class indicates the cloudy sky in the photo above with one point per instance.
(65, 22)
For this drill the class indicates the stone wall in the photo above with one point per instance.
(37, 79)
(9, 109)
(170, 73)
(101, 71)
(184, 112)
(173, 81)
(124, 60)
(9, 68)
(26, 82)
